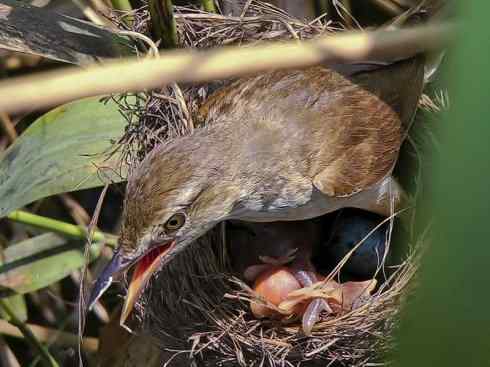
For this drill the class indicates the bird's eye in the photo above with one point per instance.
(175, 222)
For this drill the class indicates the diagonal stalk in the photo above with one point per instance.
(61, 227)
(46, 357)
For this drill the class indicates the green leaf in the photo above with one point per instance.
(18, 304)
(40, 261)
(64, 150)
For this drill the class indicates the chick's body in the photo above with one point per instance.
(365, 233)
(252, 243)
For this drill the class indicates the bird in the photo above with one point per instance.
(256, 247)
(364, 233)
(284, 145)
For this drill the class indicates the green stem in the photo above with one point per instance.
(47, 358)
(322, 7)
(123, 5)
(163, 22)
(61, 227)
(209, 6)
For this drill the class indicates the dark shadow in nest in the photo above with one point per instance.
(200, 303)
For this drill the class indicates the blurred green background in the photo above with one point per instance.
(448, 322)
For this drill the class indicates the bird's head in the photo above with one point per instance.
(173, 197)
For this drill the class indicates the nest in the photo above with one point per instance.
(157, 116)
(199, 308)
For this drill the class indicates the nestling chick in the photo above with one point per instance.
(354, 228)
(259, 247)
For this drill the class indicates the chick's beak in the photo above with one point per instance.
(144, 268)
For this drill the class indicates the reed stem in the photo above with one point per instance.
(61, 227)
(209, 6)
(46, 357)
(163, 22)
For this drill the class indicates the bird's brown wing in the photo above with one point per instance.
(342, 128)
(376, 116)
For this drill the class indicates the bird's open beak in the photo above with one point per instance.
(145, 266)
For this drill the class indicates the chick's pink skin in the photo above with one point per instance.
(273, 285)
(278, 285)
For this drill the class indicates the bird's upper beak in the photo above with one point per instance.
(145, 266)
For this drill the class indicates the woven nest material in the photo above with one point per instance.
(200, 308)
(163, 114)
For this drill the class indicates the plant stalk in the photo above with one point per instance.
(209, 6)
(163, 22)
(55, 87)
(125, 7)
(46, 357)
(61, 227)
(122, 5)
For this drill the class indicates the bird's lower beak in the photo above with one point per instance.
(145, 267)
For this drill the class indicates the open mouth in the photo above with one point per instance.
(143, 271)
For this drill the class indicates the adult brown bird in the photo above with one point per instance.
(285, 145)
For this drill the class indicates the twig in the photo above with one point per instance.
(7, 357)
(29, 335)
(8, 127)
(47, 89)
(344, 11)
(46, 335)
(60, 227)
(84, 287)
(77, 212)
(390, 7)
(81, 217)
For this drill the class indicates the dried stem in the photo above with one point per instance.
(8, 127)
(46, 357)
(46, 89)
(390, 7)
(48, 335)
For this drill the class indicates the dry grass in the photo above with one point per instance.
(166, 113)
(199, 308)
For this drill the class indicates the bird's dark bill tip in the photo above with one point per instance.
(106, 278)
